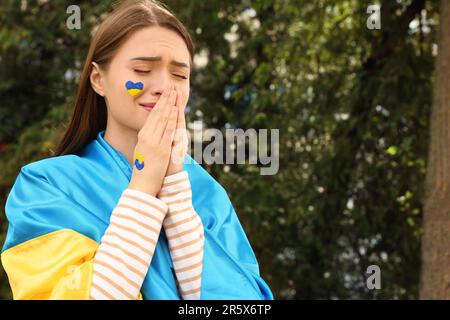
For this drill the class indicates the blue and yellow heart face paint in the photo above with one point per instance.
(134, 88)
(139, 161)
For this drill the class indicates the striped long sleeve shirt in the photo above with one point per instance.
(127, 246)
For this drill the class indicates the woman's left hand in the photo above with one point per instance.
(180, 141)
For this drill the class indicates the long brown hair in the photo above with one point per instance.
(90, 113)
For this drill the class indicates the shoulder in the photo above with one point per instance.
(54, 175)
(70, 176)
(49, 165)
(53, 168)
(43, 175)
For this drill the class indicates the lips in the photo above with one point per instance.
(148, 106)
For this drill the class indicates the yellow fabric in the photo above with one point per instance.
(57, 265)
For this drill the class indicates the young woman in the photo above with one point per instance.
(122, 211)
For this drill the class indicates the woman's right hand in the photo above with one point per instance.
(154, 145)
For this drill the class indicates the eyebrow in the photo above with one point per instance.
(159, 58)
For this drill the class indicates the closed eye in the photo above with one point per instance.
(142, 71)
(148, 71)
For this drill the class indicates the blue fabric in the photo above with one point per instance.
(80, 191)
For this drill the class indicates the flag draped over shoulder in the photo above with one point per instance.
(58, 210)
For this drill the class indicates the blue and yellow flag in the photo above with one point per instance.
(59, 208)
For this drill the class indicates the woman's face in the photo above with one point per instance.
(155, 56)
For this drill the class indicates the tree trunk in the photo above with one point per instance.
(435, 276)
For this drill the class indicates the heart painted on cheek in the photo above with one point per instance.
(134, 88)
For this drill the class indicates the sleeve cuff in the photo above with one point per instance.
(174, 186)
(177, 177)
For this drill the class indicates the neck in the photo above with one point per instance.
(122, 139)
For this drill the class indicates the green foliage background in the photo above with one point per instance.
(352, 106)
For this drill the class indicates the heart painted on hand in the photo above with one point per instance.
(138, 164)
(134, 88)
(139, 161)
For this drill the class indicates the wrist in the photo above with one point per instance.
(176, 177)
(148, 189)
(176, 164)
(173, 171)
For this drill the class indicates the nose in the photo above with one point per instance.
(158, 89)
(159, 80)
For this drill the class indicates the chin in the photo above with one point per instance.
(141, 124)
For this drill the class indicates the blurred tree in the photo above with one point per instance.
(435, 280)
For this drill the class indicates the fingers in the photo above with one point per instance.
(181, 123)
(162, 100)
(153, 119)
(169, 132)
(162, 118)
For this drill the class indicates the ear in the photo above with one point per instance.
(96, 78)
